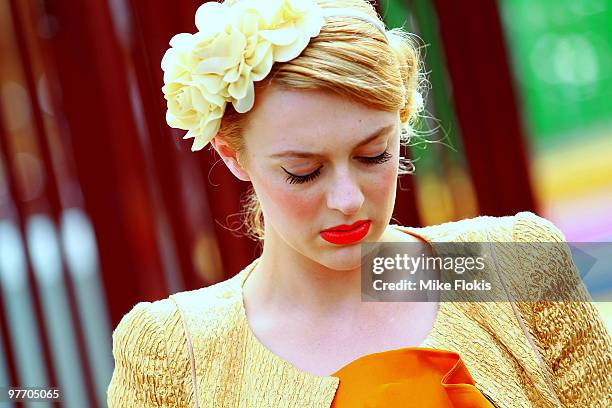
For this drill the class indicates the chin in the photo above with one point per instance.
(342, 258)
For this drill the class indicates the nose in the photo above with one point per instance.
(344, 193)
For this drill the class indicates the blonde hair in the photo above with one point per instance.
(349, 57)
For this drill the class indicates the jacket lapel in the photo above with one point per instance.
(488, 335)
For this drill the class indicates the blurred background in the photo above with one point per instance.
(102, 205)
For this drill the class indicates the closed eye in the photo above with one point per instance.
(295, 179)
(381, 158)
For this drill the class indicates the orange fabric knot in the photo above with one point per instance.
(408, 377)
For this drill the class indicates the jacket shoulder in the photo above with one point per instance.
(151, 358)
(147, 322)
(523, 226)
(529, 227)
(569, 334)
(480, 228)
(212, 312)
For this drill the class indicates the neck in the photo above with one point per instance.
(286, 280)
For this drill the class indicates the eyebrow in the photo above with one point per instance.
(294, 153)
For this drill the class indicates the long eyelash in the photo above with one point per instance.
(293, 179)
(381, 158)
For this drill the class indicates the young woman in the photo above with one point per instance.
(310, 103)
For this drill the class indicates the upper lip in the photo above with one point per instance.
(345, 227)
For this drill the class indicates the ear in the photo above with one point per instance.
(230, 158)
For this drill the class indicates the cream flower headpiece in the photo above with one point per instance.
(235, 46)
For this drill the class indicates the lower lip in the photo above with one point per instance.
(347, 237)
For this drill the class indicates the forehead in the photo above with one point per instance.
(310, 120)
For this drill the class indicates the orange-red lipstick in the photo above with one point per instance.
(346, 234)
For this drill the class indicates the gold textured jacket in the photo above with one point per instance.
(195, 348)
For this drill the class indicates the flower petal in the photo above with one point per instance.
(168, 59)
(189, 135)
(198, 143)
(206, 134)
(182, 41)
(289, 52)
(263, 63)
(211, 17)
(281, 36)
(220, 53)
(212, 83)
(232, 75)
(238, 88)
(214, 65)
(200, 104)
(245, 104)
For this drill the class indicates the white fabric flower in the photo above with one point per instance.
(234, 47)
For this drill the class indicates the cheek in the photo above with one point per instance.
(285, 205)
(382, 188)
